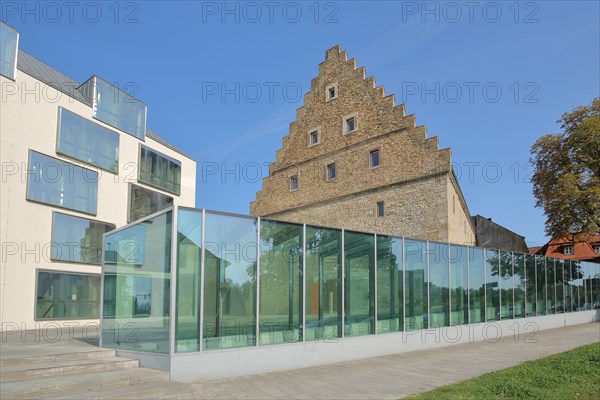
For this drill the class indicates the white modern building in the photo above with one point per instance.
(77, 161)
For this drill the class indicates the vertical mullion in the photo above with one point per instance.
(449, 287)
(304, 282)
(403, 286)
(343, 285)
(173, 283)
(201, 289)
(469, 284)
(428, 280)
(375, 283)
(257, 310)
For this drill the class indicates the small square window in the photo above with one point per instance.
(380, 209)
(331, 92)
(350, 124)
(374, 160)
(597, 249)
(331, 171)
(568, 250)
(314, 138)
(293, 183)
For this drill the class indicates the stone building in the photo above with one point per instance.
(354, 159)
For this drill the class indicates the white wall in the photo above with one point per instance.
(28, 120)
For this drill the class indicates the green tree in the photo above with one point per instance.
(566, 181)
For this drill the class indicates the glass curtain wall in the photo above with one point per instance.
(243, 282)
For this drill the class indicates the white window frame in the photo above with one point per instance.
(328, 88)
(597, 248)
(568, 250)
(345, 119)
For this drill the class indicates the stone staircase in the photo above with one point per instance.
(94, 374)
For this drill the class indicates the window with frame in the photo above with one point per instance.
(9, 48)
(293, 183)
(597, 249)
(313, 138)
(159, 170)
(374, 158)
(331, 92)
(143, 202)
(568, 250)
(76, 239)
(64, 295)
(331, 171)
(59, 183)
(380, 209)
(350, 123)
(87, 141)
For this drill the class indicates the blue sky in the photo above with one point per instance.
(222, 81)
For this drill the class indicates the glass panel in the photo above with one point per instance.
(531, 285)
(390, 285)
(159, 170)
(595, 284)
(144, 202)
(280, 282)
(492, 289)
(439, 285)
(542, 285)
(76, 239)
(416, 284)
(560, 285)
(116, 108)
(551, 286)
(229, 282)
(359, 280)
(137, 265)
(459, 270)
(323, 284)
(506, 285)
(578, 289)
(67, 296)
(189, 251)
(9, 39)
(520, 285)
(59, 183)
(476, 285)
(87, 141)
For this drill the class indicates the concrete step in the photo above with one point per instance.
(56, 386)
(15, 360)
(154, 390)
(33, 370)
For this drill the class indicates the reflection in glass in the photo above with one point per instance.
(559, 266)
(492, 287)
(67, 295)
(9, 39)
(144, 202)
(229, 282)
(87, 141)
(439, 314)
(189, 252)
(551, 267)
(506, 285)
(59, 183)
(476, 285)
(390, 285)
(159, 170)
(542, 285)
(359, 280)
(531, 286)
(416, 284)
(280, 282)
(520, 285)
(137, 266)
(458, 285)
(76, 239)
(323, 284)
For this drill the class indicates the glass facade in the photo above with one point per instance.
(62, 184)
(76, 239)
(61, 295)
(9, 44)
(159, 170)
(137, 279)
(87, 141)
(117, 108)
(143, 202)
(244, 282)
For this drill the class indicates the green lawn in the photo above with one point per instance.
(571, 375)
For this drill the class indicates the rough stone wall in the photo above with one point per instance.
(412, 179)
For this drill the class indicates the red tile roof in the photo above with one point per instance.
(583, 250)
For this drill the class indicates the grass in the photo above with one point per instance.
(574, 374)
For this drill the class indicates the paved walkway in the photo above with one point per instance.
(388, 377)
(399, 375)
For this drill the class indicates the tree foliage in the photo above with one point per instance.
(566, 181)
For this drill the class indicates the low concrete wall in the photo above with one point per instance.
(218, 364)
